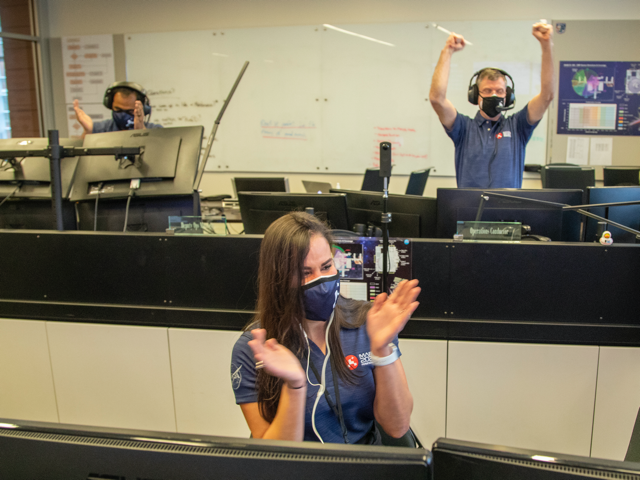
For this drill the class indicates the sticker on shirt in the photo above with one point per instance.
(503, 134)
(351, 361)
(236, 376)
(362, 359)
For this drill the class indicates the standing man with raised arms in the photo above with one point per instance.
(490, 148)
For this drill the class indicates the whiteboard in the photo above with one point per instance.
(317, 100)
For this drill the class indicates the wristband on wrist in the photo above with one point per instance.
(389, 359)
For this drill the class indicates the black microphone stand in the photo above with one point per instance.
(203, 162)
(485, 196)
(385, 172)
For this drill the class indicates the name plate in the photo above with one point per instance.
(489, 231)
(194, 225)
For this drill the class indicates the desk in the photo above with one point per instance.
(531, 292)
(136, 331)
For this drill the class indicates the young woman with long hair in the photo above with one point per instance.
(313, 365)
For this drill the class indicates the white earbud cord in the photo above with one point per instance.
(322, 376)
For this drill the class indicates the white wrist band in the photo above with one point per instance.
(382, 361)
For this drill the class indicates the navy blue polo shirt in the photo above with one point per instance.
(110, 126)
(356, 399)
(475, 141)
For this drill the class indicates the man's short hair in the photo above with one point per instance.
(126, 92)
(491, 74)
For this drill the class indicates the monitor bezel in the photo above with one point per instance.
(188, 449)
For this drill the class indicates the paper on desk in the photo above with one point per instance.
(601, 151)
(578, 150)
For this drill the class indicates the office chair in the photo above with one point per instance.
(633, 452)
(372, 181)
(619, 176)
(409, 439)
(568, 176)
(417, 182)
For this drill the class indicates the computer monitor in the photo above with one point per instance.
(372, 181)
(621, 176)
(32, 175)
(316, 187)
(260, 209)
(259, 184)
(62, 452)
(411, 216)
(166, 169)
(145, 214)
(628, 215)
(461, 204)
(568, 177)
(35, 214)
(167, 165)
(457, 459)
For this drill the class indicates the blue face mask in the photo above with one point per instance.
(124, 120)
(321, 296)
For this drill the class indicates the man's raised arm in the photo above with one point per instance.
(539, 104)
(438, 93)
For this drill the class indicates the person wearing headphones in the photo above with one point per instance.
(313, 365)
(129, 104)
(490, 148)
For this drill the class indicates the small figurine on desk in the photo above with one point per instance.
(606, 239)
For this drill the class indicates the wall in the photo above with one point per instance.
(90, 17)
(572, 399)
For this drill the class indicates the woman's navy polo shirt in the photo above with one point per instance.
(475, 140)
(356, 399)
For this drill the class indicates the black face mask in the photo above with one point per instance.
(124, 120)
(490, 104)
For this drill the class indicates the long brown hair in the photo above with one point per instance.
(280, 308)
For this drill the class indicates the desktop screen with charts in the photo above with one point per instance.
(359, 263)
(599, 98)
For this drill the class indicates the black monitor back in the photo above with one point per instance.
(417, 182)
(260, 184)
(35, 214)
(461, 204)
(167, 167)
(33, 173)
(412, 216)
(372, 181)
(629, 215)
(621, 176)
(146, 214)
(457, 459)
(568, 177)
(259, 210)
(38, 450)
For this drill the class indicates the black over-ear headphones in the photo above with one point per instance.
(140, 92)
(474, 92)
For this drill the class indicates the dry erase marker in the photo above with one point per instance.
(449, 33)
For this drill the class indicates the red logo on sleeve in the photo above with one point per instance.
(351, 361)
(499, 135)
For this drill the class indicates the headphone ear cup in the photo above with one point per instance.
(107, 101)
(510, 98)
(146, 107)
(473, 94)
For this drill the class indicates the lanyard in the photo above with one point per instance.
(337, 411)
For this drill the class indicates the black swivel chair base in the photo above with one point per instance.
(407, 440)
